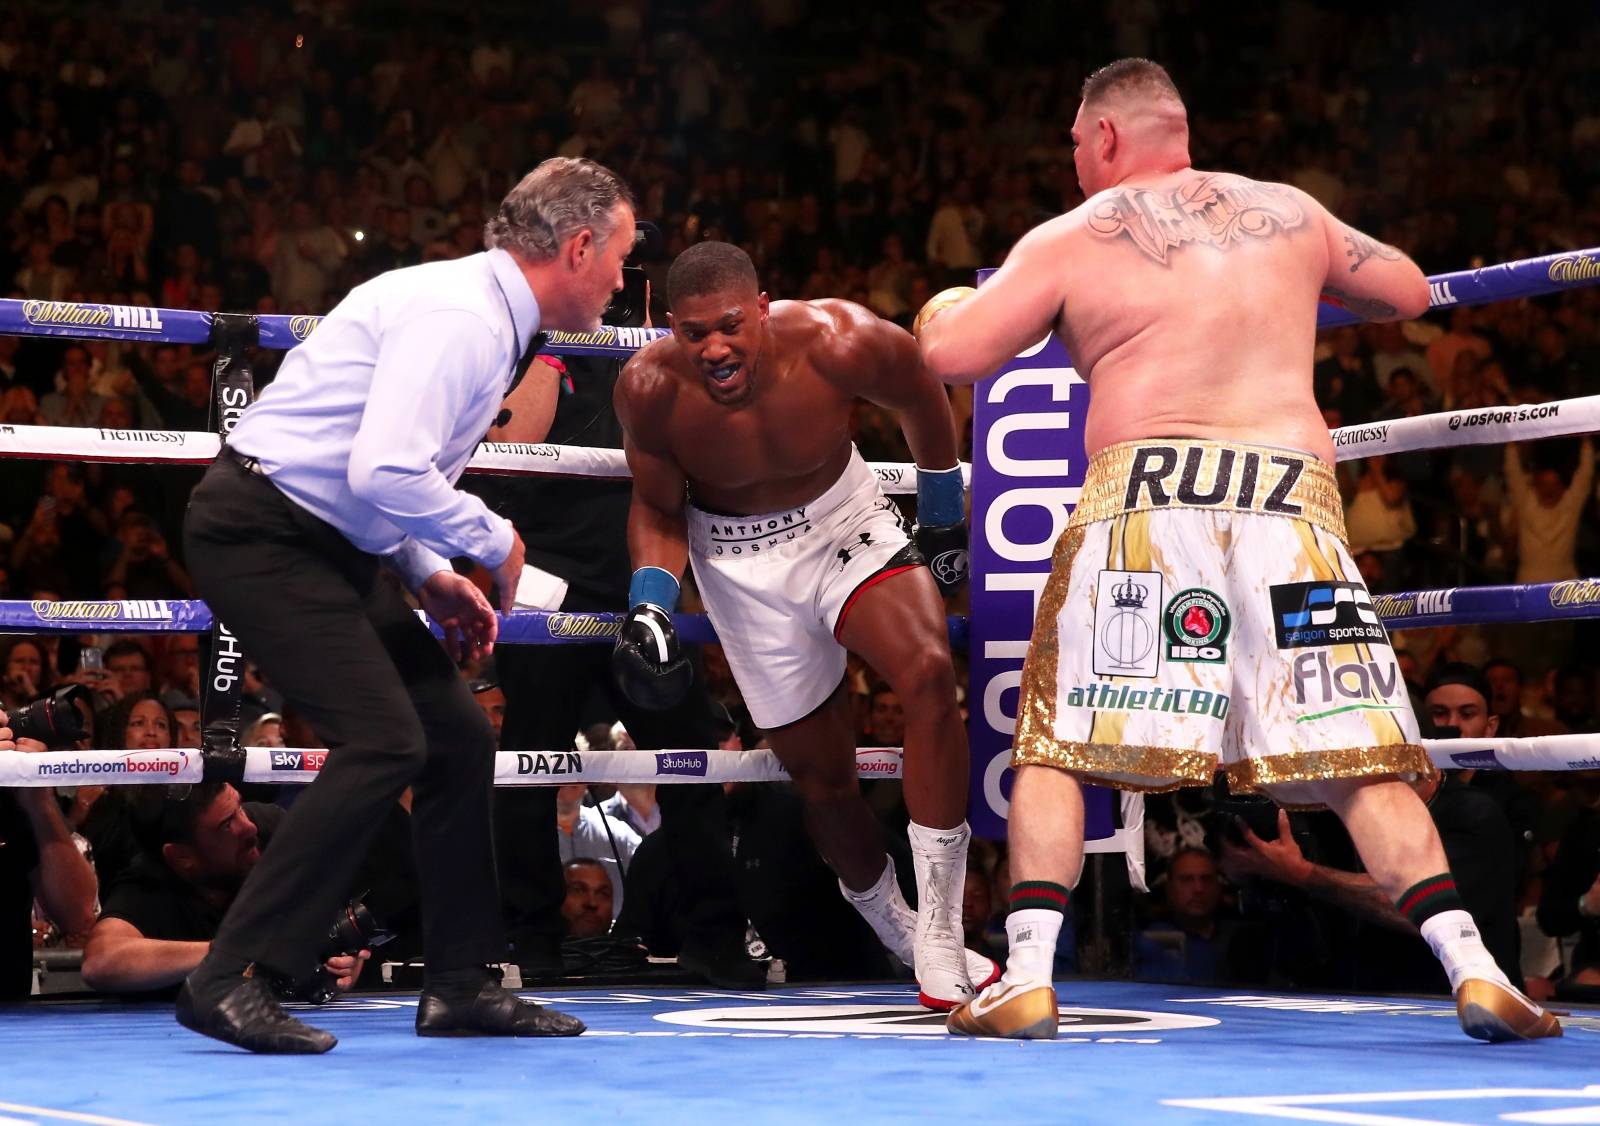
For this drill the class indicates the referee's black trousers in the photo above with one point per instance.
(331, 629)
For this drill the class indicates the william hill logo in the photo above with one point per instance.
(74, 314)
(686, 763)
(1575, 592)
(582, 625)
(134, 610)
(1574, 268)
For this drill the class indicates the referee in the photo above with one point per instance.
(334, 488)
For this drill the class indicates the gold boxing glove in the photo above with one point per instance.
(937, 304)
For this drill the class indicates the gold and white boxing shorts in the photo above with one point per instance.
(1203, 610)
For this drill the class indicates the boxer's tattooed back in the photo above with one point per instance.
(1216, 210)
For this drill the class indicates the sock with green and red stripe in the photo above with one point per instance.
(1032, 927)
(1434, 907)
(1038, 894)
(1427, 898)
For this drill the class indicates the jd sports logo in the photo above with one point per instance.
(902, 1020)
(1325, 613)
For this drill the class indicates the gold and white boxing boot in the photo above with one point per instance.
(1495, 1011)
(1008, 1011)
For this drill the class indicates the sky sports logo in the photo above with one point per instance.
(689, 764)
(298, 760)
(1325, 613)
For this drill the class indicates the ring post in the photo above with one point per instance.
(1027, 470)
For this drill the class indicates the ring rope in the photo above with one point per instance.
(288, 766)
(33, 317)
(194, 447)
(1512, 603)
(1480, 426)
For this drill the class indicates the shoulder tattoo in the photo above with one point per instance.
(1218, 211)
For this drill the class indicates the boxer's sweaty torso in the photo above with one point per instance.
(1190, 305)
(781, 448)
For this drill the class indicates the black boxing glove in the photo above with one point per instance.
(941, 529)
(648, 660)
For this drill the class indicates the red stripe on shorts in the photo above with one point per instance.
(863, 588)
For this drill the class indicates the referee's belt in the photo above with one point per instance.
(248, 464)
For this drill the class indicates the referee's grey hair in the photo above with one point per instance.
(554, 202)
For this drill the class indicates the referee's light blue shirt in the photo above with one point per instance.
(371, 421)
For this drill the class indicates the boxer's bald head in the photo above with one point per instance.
(1132, 121)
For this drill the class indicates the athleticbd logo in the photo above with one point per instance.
(1325, 613)
(1195, 625)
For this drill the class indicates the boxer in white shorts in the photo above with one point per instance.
(737, 430)
(779, 586)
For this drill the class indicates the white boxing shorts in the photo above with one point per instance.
(778, 586)
(1203, 610)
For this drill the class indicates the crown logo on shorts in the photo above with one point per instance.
(1130, 593)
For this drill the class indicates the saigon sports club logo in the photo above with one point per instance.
(888, 1018)
(1125, 623)
(1195, 625)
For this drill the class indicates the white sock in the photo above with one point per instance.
(1454, 939)
(1032, 933)
(887, 913)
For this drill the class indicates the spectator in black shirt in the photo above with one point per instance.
(1478, 842)
(1570, 902)
(38, 861)
(160, 917)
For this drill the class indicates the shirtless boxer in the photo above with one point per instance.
(1203, 605)
(737, 430)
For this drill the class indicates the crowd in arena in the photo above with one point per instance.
(266, 158)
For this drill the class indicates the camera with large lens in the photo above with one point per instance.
(57, 719)
(354, 930)
(629, 306)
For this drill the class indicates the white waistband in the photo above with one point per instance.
(718, 528)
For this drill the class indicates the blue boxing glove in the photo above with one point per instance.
(648, 660)
(941, 528)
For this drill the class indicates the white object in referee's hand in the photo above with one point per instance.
(539, 590)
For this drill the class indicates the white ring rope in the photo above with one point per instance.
(170, 765)
(193, 447)
(1482, 426)
(270, 765)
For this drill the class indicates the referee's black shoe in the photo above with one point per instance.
(248, 1016)
(489, 1010)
